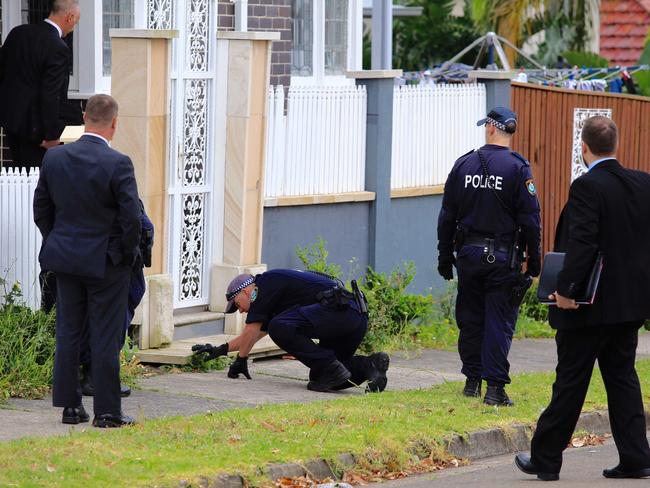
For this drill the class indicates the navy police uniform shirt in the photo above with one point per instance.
(279, 290)
(469, 201)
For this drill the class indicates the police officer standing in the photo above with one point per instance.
(295, 307)
(490, 218)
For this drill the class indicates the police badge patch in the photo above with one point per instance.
(530, 186)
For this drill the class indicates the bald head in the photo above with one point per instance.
(65, 14)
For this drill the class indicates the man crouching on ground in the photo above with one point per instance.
(295, 307)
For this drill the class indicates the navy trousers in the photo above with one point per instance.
(484, 315)
(339, 333)
(103, 301)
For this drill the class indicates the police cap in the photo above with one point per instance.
(237, 285)
(502, 118)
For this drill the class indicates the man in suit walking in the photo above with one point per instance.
(608, 213)
(34, 74)
(87, 208)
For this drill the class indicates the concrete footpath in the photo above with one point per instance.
(274, 381)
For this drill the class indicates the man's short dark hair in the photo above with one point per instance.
(101, 110)
(600, 134)
(59, 6)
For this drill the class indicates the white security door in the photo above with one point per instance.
(191, 151)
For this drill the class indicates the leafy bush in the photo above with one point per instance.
(530, 306)
(391, 309)
(26, 347)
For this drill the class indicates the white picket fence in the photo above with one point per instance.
(432, 127)
(319, 146)
(20, 240)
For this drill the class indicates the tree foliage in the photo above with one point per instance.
(431, 38)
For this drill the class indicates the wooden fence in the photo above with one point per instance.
(548, 125)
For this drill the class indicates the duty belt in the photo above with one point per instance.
(489, 245)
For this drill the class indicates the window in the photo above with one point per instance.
(336, 39)
(115, 14)
(325, 40)
(303, 39)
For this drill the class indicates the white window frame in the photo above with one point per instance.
(354, 48)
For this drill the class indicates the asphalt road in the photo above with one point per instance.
(582, 468)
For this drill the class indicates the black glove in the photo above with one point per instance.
(533, 265)
(210, 350)
(239, 366)
(446, 267)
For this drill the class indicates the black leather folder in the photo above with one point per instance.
(553, 264)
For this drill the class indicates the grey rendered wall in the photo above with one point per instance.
(343, 225)
(414, 238)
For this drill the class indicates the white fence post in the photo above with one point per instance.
(433, 125)
(20, 240)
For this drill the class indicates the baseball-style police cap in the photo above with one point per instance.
(234, 288)
(502, 118)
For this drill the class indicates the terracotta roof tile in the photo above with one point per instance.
(624, 26)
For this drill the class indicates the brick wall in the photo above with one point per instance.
(266, 15)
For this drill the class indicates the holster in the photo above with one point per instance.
(459, 238)
(336, 297)
(518, 292)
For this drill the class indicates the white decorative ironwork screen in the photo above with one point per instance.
(190, 152)
(579, 116)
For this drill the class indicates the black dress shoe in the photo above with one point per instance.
(620, 473)
(497, 396)
(472, 387)
(108, 420)
(522, 461)
(333, 375)
(74, 415)
(377, 379)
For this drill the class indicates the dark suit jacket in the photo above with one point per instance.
(34, 76)
(87, 208)
(608, 211)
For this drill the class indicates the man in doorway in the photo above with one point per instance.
(34, 74)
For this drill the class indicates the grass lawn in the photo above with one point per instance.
(162, 452)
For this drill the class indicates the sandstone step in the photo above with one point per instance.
(179, 352)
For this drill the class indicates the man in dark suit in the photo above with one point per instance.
(87, 208)
(34, 74)
(608, 212)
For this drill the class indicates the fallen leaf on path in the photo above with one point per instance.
(272, 427)
(587, 440)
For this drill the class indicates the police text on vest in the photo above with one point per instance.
(480, 181)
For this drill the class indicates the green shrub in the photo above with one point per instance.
(314, 258)
(26, 348)
(391, 308)
(530, 306)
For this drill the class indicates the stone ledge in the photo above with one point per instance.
(248, 36)
(475, 445)
(358, 196)
(144, 33)
(419, 191)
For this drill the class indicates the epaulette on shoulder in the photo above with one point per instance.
(520, 158)
(464, 156)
